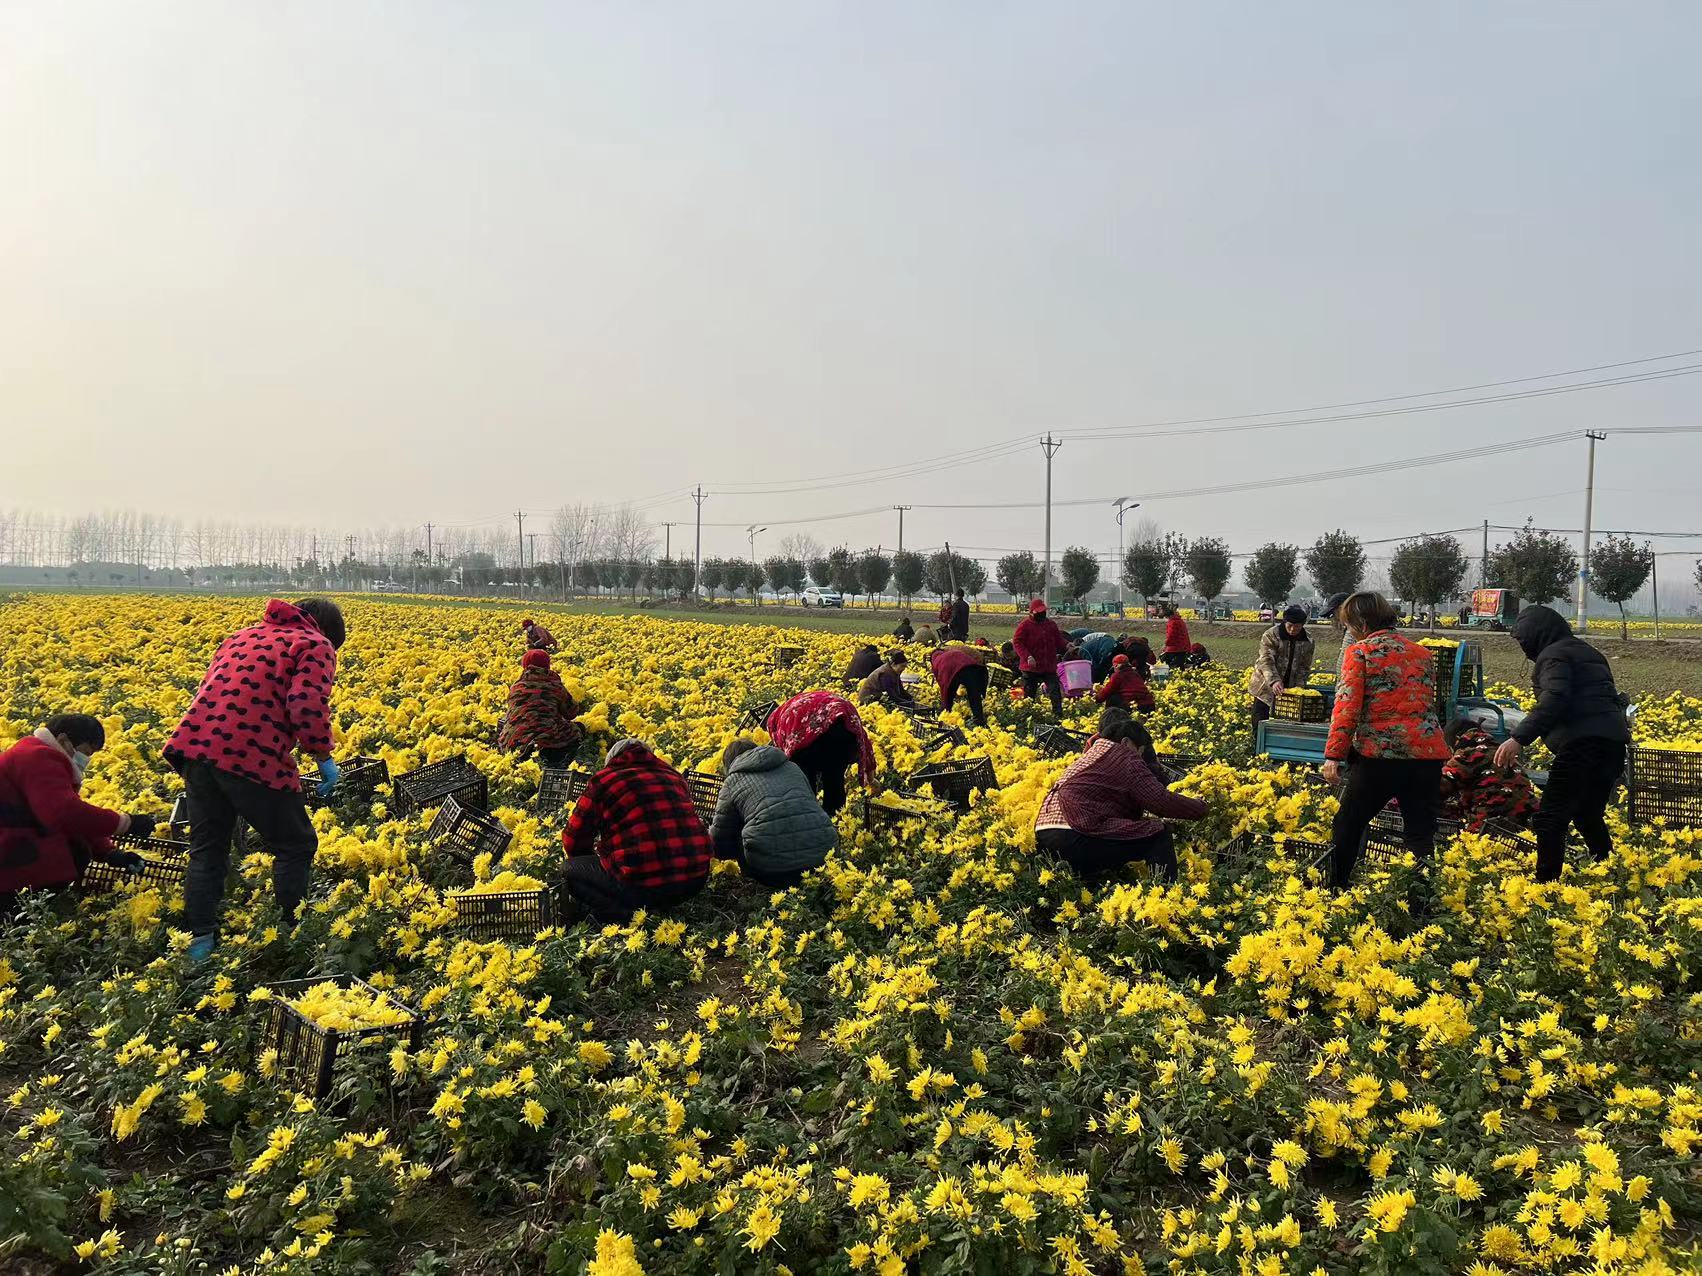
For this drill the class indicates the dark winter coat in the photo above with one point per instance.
(1282, 659)
(863, 663)
(768, 807)
(960, 620)
(1576, 697)
(47, 832)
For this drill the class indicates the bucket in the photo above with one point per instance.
(1076, 677)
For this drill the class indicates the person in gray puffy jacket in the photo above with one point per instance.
(768, 818)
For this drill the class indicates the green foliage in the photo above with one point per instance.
(1336, 563)
(1428, 570)
(1208, 564)
(1019, 575)
(1537, 566)
(1272, 571)
(1080, 571)
(1146, 567)
(1619, 567)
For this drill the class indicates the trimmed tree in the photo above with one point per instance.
(1428, 571)
(1080, 572)
(779, 571)
(909, 572)
(714, 575)
(733, 574)
(1272, 571)
(1537, 566)
(945, 568)
(874, 570)
(1207, 561)
(1146, 567)
(842, 571)
(1018, 574)
(1619, 566)
(821, 572)
(1336, 563)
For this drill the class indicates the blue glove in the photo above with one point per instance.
(328, 776)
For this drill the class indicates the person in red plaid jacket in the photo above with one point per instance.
(634, 839)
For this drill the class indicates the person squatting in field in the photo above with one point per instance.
(266, 694)
(540, 714)
(767, 817)
(824, 735)
(48, 834)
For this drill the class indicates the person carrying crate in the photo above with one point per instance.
(1284, 662)
(48, 834)
(266, 694)
(1580, 715)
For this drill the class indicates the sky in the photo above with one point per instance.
(345, 264)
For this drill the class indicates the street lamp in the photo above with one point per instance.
(1124, 505)
(752, 532)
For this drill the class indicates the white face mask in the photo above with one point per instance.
(81, 762)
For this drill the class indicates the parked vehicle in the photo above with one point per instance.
(1267, 615)
(1493, 609)
(816, 597)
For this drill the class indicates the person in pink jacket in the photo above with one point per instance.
(266, 694)
(1040, 644)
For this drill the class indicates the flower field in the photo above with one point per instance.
(940, 1054)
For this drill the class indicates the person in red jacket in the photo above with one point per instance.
(962, 669)
(1125, 688)
(537, 637)
(47, 833)
(1040, 644)
(1178, 646)
(634, 839)
(265, 695)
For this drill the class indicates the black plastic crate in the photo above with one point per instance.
(1237, 852)
(1390, 820)
(430, 785)
(1060, 742)
(464, 832)
(1511, 837)
(559, 788)
(705, 793)
(1000, 677)
(1295, 706)
(356, 778)
(954, 781)
(1445, 659)
(502, 914)
(754, 717)
(876, 813)
(306, 1053)
(1664, 784)
(944, 736)
(785, 657)
(1177, 765)
(1313, 854)
(163, 869)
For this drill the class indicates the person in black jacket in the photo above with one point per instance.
(905, 631)
(959, 627)
(1581, 716)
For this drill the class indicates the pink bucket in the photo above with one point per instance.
(1076, 676)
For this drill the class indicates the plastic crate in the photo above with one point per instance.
(1177, 765)
(880, 813)
(502, 914)
(1314, 854)
(1000, 677)
(307, 1053)
(464, 832)
(1236, 853)
(754, 717)
(1445, 659)
(1060, 742)
(954, 781)
(786, 657)
(559, 788)
(1511, 837)
(1664, 784)
(356, 778)
(1390, 820)
(1294, 706)
(161, 867)
(705, 793)
(431, 785)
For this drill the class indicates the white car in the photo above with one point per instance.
(814, 597)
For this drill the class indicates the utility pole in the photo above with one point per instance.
(668, 541)
(428, 544)
(533, 537)
(1483, 563)
(520, 530)
(697, 549)
(349, 560)
(901, 509)
(1655, 580)
(1124, 505)
(1050, 447)
(1589, 513)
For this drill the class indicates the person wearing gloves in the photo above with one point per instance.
(1125, 688)
(1284, 662)
(887, 682)
(47, 833)
(962, 669)
(767, 817)
(823, 734)
(537, 637)
(634, 839)
(540, 714)
(266, 694)
(1040, 644)
(1108, 809)
(1580, 715)
(1385, 731)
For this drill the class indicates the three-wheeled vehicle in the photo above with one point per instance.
(1493, 609)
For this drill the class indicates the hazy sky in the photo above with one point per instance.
(346, 263)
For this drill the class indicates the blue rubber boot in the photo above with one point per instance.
(201, 947)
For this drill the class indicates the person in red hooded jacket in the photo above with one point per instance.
(962, 669)
(1178, 646)
(1040, 644)
(47, 833)
(266, 694)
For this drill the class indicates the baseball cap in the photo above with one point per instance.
(1336, 600)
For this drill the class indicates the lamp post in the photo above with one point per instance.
(752, 532)
(1124, 505)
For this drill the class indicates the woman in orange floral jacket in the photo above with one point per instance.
(1387, 732)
